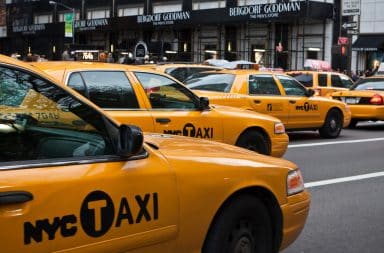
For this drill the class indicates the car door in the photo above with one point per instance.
(175, 108)
(304, 112)
(112, 91)
(266, 96)
(62, 186)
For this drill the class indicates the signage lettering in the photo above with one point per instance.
(28, 29)
(168, 18)
(191, 131)
(307, 107)
(91, 24)
(264, 10)
(97, 216)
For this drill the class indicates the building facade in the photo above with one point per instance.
(274, 33)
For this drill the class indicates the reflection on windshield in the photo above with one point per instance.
(211, 82)
(369, 84)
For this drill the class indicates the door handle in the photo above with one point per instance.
(256, 101)
(15, 197)
(163, 120)
(292, 101)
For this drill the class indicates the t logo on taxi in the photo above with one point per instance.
(97, 216)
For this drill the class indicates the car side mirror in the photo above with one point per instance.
(309, 92)
(203, 103)
(130, 140)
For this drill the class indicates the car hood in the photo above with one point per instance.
(174, 147)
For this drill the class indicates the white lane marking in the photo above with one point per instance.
(333, 143)
(343, 179)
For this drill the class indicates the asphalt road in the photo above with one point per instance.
(345, 177)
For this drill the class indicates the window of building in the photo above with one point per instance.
(43, 19)
(130, 10)
(312, 54)
(161, 7)
(98, 13)
(207, 4)
(247, 2)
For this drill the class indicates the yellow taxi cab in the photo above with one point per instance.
(365, 98)
(109, 188)
(158, 103)
(181, 71)
(323, 82)
(275, 94)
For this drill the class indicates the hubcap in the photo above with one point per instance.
(243, 245)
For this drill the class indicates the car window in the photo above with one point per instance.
(336, 81)
(43, 117)
(108, 89)
(304, 79)
(322, 79)
(211, 82)
(76, 82)
(369, 84)
(262, 85)
(291, 86)
(179, 73)
(346, 81)
(164, 93)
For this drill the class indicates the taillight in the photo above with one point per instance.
(295, 183)
(376, 100)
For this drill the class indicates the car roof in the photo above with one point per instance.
(71, 65)
(244, 72)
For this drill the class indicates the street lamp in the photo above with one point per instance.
(73, 17)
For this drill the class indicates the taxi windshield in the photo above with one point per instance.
(369, 84)
(211, 82)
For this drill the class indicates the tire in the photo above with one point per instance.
(255, 141)
(244, 225)
(353, 123)
(332, 125)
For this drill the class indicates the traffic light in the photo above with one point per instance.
(344, 50)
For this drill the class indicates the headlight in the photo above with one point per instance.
(279, 128)
(295, 183)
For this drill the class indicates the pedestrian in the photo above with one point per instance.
(110, 58)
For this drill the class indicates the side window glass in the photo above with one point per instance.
(304, 79)
(336, 81)
(110, 89)
(322, 80)
(43, 117)
(346, 82)
(262, 85)
(291, 86)
(76, 82)
(164, 93)
(179, 73)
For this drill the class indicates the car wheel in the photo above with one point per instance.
(332, 125)
(255, 141)
(243, 226)
(353, 123)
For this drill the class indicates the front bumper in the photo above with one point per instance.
(279, 145)
(295, 213)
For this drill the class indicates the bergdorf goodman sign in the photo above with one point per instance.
(168, 18)
(260, 11)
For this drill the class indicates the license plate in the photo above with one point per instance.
(352, 100)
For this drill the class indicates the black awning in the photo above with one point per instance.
(369, 42)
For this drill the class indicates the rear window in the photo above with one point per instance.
(369, 84)
(304, 79)
(211, 82)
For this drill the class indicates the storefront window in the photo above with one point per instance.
(161, 7)
(207, 4)
(97, 13)
(43, 19)
(251, 2)
(130, 10)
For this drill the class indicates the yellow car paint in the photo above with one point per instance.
(217, 123)
(165, 198)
